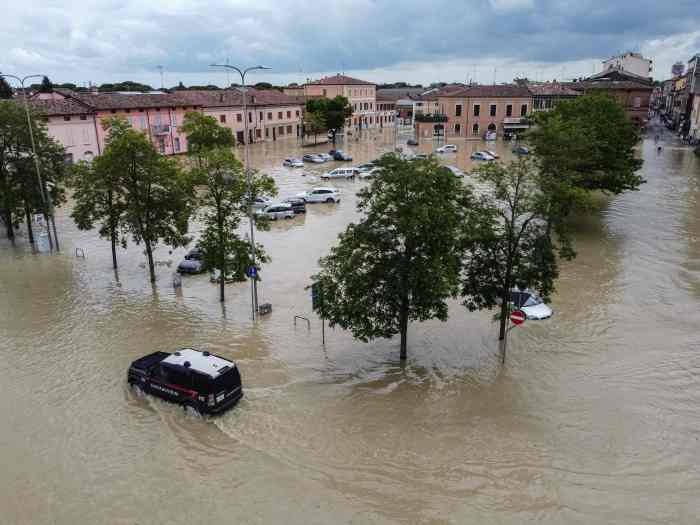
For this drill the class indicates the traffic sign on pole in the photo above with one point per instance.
(252, 272)
(518, 317)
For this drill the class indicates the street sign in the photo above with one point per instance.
(518, 317)
(252, 272)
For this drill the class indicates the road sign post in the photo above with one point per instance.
(517, 317)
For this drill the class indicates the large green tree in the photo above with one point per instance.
(507, 242)
(159, 197)
(99, 194)
(332, 112)
(314, 123)
(223, 198)
(5, 89)
(581, 146)
(401, 262)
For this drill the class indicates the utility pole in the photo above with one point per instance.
(48, 205)
(249, 182)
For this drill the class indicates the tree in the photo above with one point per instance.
(584, 145)
(125, 86)
(20, 193)
(99, 195)
(401, 261)
(224, 198)
(158, 197)
(314, 123)
(5, 89)
(46, 85)
(263, 85)
(507, 242)
(333, 112)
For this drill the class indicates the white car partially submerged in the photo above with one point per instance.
(370, 174)
(481, 155)
(530, 303)
(455, 171)
(293, 163)
(341, 173)
(447, 148)
(277, 210)
(320, 194)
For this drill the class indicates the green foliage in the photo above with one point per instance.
(20, 193)
(204, 133)
(224, 198)
(5, 89)
(506, 239)
(125, 86)
(159, 197)
(314, 123)
(584, 145)
(331, 112)
(46, 85)
(401, 262)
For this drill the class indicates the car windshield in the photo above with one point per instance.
(533, 300)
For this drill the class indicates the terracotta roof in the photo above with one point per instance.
(234, 97)
(102, 101)
(393, 94)
(59, 107)
(339, 80)
(552, 89)
(504, 90)
(606, 84)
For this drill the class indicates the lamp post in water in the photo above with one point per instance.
(249, 182)
(48, 207)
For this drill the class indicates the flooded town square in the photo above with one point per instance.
(595, 417)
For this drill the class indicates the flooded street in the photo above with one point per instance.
(594, 419)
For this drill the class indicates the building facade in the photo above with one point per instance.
(632, 92)
(633, 63)
(546, 96)
(472, 112)
(76, 119)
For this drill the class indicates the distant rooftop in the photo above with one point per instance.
(339, 80)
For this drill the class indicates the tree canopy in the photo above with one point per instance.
(5, 89)
(401, 262)
(332, 112)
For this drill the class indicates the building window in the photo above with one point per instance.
(143, 122)
(161, 145)
(289, 114)
(370, 120)
(261, 116)
(523, 110)
(269, 115)
(280, 130)
(173, 119)
(458, 110)
(354, 107)
(267, 133)
(289, 130)
(239, 118)
(475, 129)
(297, 112)
(279, 115)
(492, 110)
(477, 110)
(509, 110)
(637, 102)
(222, 119)
(324, 92)
(250, 116)
(177, 143)
(258, 133)
(66, 118)
(83, 117)
(458, 129)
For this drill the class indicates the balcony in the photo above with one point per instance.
(161, 129)
(420, 117)
(516, 122)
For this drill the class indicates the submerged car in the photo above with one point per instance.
(293, 163)
(412, 142)
(316, 159)
(455, 171)
(204, 382)
(521, 150)
(261, 202)
(321, 194)
(371, 173)
(492, 153)
(447, 148)
(192, 263)
(481, 155)
(280, 210)
(298, 204)
(341, 173)
(339, 154)
(530, 303)
(368, 166)
(325, 156)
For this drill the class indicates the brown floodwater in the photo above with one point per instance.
(595, 417)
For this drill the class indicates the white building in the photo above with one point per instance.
(630, 62)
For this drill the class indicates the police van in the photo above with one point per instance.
(204, 382)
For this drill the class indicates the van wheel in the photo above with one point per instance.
(329, 200)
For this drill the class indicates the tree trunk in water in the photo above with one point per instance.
(8, 225)
(113, 240)
(30, 230)
(504, 317)
(222, 257)
(403, 327)
(151, 266)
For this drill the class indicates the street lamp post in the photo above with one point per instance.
(249, 182)
(42, 190)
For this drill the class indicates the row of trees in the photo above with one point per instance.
(425, 238)
(133, 192)
(21, 196)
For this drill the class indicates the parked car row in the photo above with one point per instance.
(317, 158)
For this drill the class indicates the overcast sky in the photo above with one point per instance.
(379, 40)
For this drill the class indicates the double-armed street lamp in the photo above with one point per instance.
(246, 140)
(45, 197)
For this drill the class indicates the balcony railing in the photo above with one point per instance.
(515, 120)
(161, 129)
(420, 117)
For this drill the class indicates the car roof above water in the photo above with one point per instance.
(208, 364)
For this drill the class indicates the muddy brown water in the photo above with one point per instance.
(594, 419)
